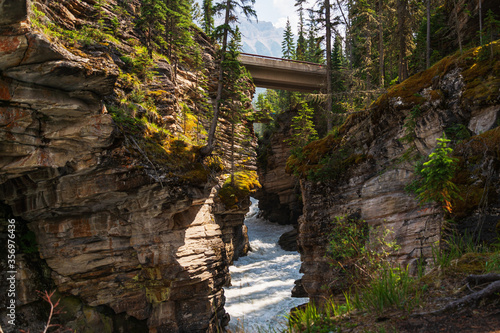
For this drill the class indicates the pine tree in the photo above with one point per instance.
(287, 46)
(301, 40)
(229, 7)
(303, 130)
(208, 17)
(179, 36)
(492, 26)
(314, 52)
(152, 22)
(233, 89)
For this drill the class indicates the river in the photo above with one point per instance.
(262, 281)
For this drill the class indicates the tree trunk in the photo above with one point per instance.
(380, 44)
(348, 45)
(328, 67)
(480, 22)
(232, 150)
(459, 33)
(213, 126)
(403, 62)
(428, 42)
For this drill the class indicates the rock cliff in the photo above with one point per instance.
(99, 162)
(372, 159)
(279, 197)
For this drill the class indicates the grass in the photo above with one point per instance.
(394, 293)
(392, 288)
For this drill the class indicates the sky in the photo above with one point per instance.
(276, 12)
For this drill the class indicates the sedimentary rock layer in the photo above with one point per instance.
(116, 230)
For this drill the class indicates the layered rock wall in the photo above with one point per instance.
(279, 197)
(373, 160)
(119, 234)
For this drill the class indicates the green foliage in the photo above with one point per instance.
(409, 125)
(458, 132)
(152, 21)
(391, 288)
(493, 263)
(313, 319)
(301, 47)
(208, 17)
(287, 45)
(245, 182)
(453, 247)
(348, 239)
(87, 35)
(139, 63)
(491, 26)
(350, 251)
(434, 178)
(314, 52)
(303, 130)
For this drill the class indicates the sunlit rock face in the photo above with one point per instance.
(373, 188)
(127, 246)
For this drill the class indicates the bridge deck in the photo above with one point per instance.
(276, 73)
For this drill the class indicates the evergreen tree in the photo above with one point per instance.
(301, 40)
(152, 22)
(287, 46)
(303, 130)
(229, 7)
(492, 26)
(236, 103)
(208, 17)
(314, 52)
(180, 43)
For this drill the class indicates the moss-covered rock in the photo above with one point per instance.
(245, 182)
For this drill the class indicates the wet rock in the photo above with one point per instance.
(298, 290)
(288, 241)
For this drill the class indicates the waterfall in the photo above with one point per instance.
(260, 295)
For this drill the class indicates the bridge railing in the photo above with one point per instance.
(281, 59)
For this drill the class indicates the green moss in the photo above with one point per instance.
(409, 90)
(245, 182)
(311, 158)
(148, 140)
(469, 263)
(325, 159)
(482, 74)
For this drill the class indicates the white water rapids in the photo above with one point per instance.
(260, 295)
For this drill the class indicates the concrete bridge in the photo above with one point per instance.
(284, 74)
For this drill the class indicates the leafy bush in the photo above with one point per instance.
(348, 239)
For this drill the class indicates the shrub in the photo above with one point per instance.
(434, 183)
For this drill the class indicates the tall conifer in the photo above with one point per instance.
(229, 8)
(287, 46)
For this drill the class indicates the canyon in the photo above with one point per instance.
(119, 234)
(116, 209)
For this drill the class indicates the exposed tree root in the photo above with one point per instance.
(481, 279)
(493, 287)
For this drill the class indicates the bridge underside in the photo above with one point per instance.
(277, 74)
